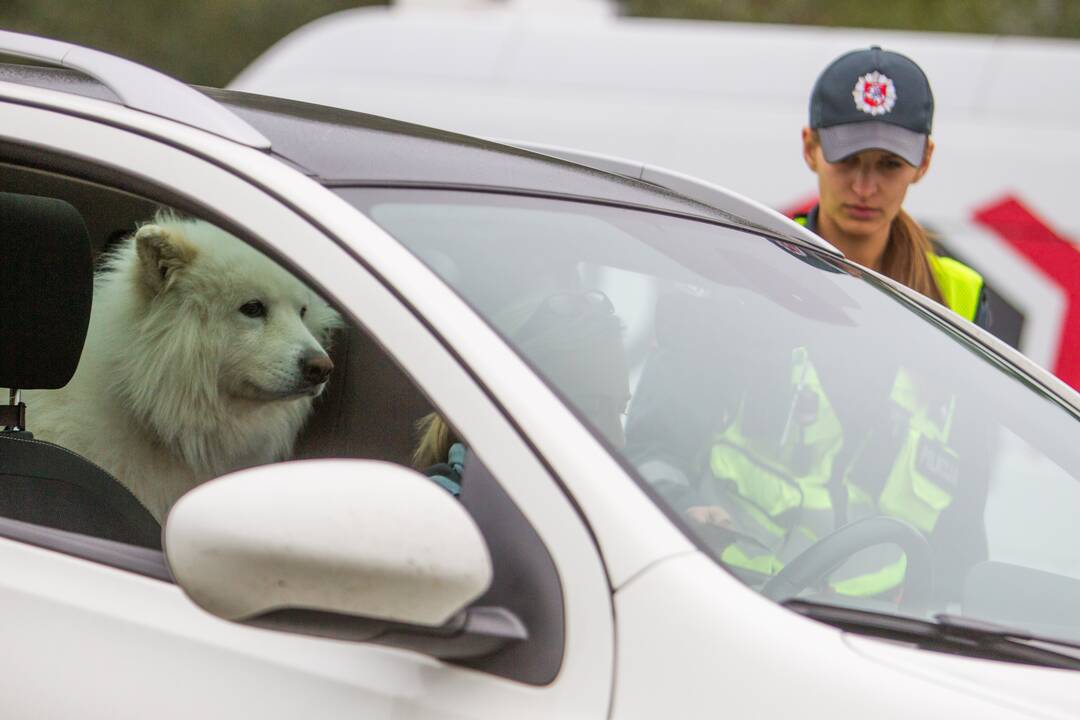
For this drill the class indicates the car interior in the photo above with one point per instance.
(55, 498)
(369, 409)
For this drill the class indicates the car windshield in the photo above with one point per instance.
(821, 436)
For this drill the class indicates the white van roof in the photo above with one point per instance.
(722, 101)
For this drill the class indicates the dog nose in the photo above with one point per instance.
(316, 368)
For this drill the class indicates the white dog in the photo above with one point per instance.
(202, 356)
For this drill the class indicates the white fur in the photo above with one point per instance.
(176, 385)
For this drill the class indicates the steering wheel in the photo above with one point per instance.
(827, 554)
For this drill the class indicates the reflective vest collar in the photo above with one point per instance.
(960, 286)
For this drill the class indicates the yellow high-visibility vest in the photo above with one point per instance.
(960, 286)
(777, 486)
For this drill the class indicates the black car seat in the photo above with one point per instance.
(46, 289)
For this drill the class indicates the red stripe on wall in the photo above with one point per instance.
(1055, 257)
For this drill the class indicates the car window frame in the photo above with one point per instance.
(96, 151)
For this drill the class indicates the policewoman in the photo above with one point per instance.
(868, 141)
(784, 489)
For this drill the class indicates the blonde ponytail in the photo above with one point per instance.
(905, 259)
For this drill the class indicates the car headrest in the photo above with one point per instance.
(46, 287)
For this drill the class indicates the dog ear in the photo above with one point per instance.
(161, 252)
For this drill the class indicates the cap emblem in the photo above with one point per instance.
(874, 94)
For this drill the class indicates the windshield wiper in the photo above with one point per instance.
(949, 634)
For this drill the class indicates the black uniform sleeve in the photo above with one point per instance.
(983, 316)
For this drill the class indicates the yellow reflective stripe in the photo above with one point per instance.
(764, 564)
(930, 494)
(824, 434)
(858, 496)
(815, 497)
(766, 489)
(908, 494)
(761, 485)
(875, 583)
(960, 285)
(904, 392)
(946, 430)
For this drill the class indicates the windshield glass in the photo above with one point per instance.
(820, 436)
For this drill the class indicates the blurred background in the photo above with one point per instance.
(209, 41)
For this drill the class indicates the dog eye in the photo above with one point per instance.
(253, 309)
(303, 311)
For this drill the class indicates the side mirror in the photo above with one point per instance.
(353, 549)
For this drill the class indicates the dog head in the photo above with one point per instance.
(227, 316)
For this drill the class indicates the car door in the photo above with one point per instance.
(91, 636)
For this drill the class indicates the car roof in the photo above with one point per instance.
(342, 147)
(356, 148)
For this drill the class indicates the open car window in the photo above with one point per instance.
(155, 351)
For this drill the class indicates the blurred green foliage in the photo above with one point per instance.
(1056, 18)
(201, 41)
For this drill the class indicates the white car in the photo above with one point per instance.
(593, 332)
